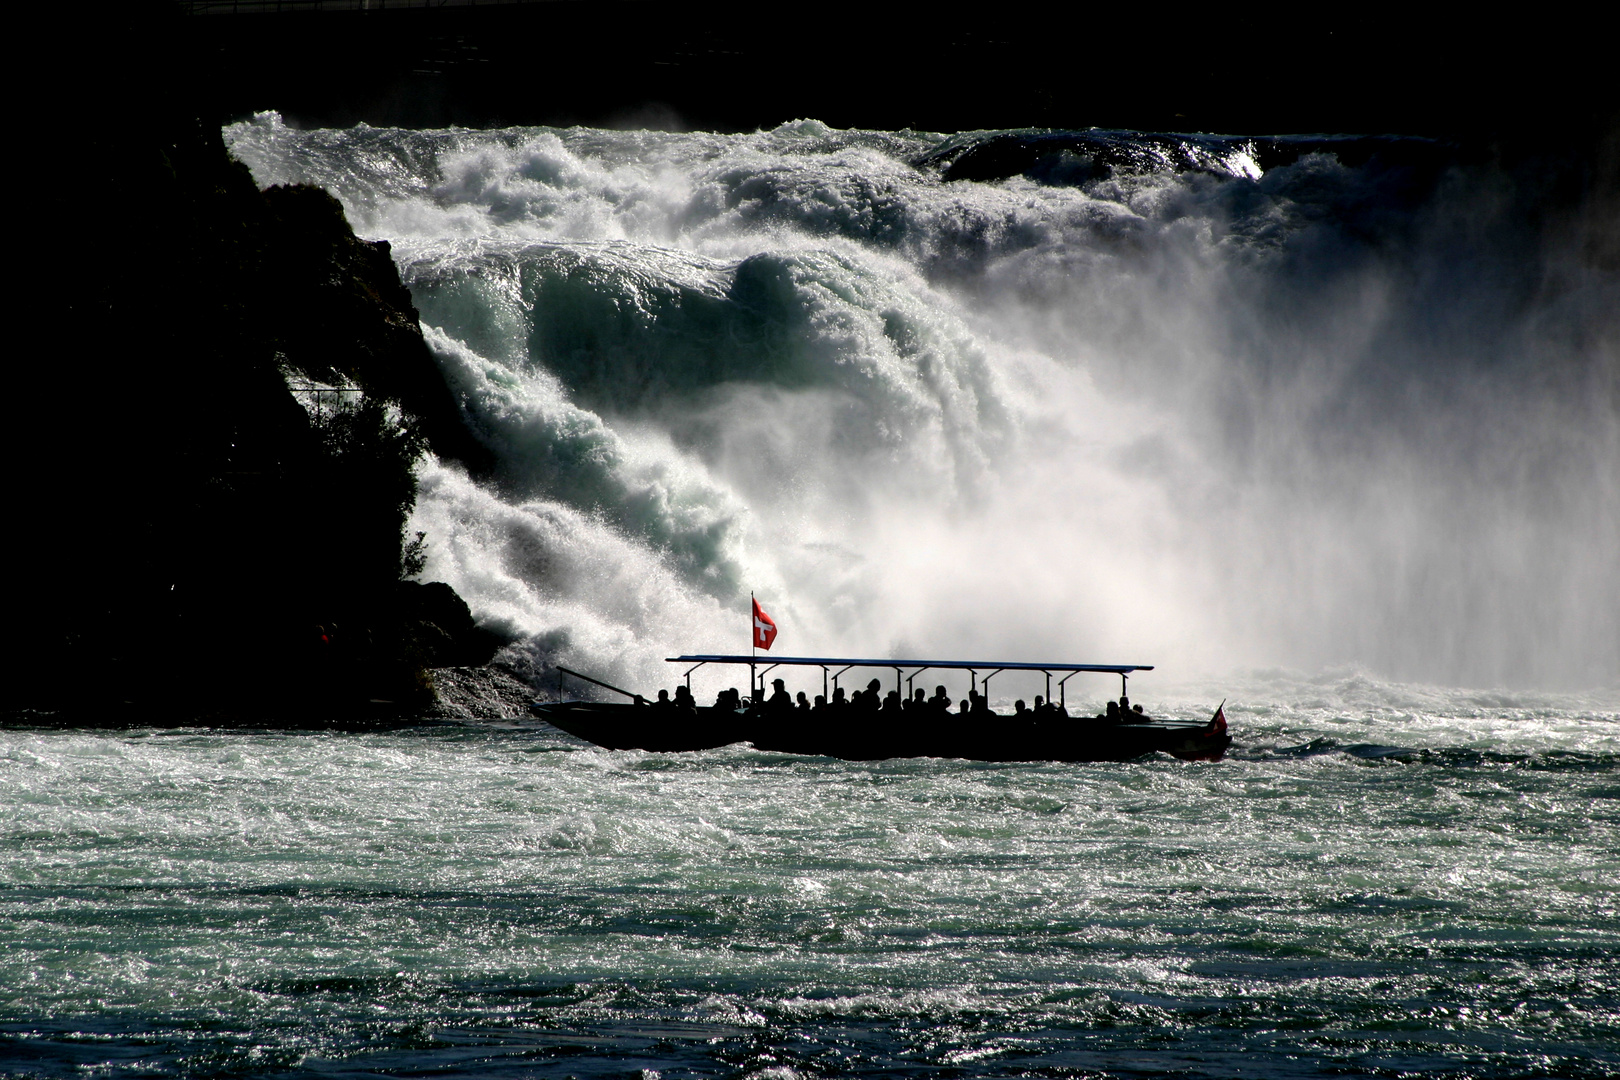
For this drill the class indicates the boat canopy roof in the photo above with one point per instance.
(964, 665)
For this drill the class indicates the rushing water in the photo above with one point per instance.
(1380, 880)
(1199, 402)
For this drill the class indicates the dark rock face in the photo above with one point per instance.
(187, 539)
(437, 628)
(345, 314)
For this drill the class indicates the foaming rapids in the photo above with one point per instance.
(1196, 402)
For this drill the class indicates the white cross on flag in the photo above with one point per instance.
(764, 627)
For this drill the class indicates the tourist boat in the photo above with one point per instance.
(867, 735)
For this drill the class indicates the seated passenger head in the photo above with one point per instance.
(963, 707)
(874, 685)
(1039, 701)
(1019, 706)
(779, 684)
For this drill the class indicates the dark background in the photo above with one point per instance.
(731, 67)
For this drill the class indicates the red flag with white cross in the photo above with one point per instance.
(764, 628)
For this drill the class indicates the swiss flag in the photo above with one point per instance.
(764, 627)
(1217, 723)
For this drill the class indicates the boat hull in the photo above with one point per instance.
(635, 727)
(638, 727)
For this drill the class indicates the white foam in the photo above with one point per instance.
(1194, 418)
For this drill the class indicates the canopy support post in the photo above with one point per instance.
(986, 684)
(1063, 695)
(909, 678)
(768, 669)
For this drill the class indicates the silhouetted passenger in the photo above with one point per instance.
(820, 706)
(941, 701)
(803, 702)
(684, 702)
(663, 704)
(868, 701)
(839, 701)
(1113, 712)
(781, 700)
(891, 702)
(1020, 710)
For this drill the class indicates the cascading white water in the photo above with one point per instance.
(1192, 412)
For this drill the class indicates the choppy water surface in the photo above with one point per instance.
(1380, 881)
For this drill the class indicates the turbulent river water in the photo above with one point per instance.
(1379, 880)
(1332, 406)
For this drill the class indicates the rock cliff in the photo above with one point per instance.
(193, 536)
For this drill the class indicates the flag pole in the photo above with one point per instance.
(753, 644)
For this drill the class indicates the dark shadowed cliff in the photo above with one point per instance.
(196, 537)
